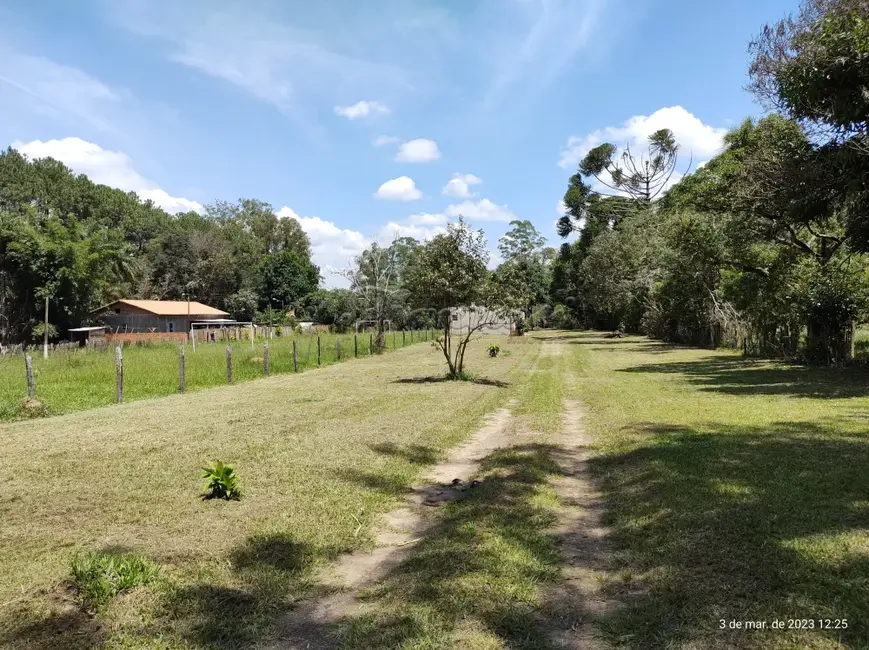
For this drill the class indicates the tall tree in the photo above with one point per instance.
(642, 178)
(285, 278)
(522, 240)
(448, 274)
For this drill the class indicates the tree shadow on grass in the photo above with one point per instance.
(271, 573)
(416, 454)
(65, 626)
(387, 483)
(476, 573)
(482, 381)
(739, 523)
(740, 376)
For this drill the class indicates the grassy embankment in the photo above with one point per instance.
(81, 379)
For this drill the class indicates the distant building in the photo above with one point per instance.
(83, 335)
(461, 318)
(155, 316)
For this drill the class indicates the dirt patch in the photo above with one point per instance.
(577, 600)
(308, 626)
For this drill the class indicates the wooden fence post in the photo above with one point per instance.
(28, 367)
(355, 345)
(229, 364)
(182, 379)
(338, 346)
(318, 349)
(411, 337)
(119, 375)
(266, 358)
(295, 358)
(371, 344)
(403, 338)
(393, 339)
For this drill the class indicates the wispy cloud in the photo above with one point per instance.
(362, 109)
(255, 50)
(551, 34)
(40, 85)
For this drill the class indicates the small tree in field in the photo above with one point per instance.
(449, 274)
(374, 281)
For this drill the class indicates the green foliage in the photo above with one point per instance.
(447, 273)
(221, 482)
(86, 245)
(641, 178)
(814, 65)
(37, 333)
(494, 350)
(98, 577)
(450, 270)
(522, 240)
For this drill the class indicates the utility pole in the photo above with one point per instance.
(45, 331)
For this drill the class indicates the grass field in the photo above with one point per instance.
(319, 455)
(738, 491)
(79, 379)
(479, 579)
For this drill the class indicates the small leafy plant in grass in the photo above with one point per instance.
(494, 350)
(221, 482)
(98, 577)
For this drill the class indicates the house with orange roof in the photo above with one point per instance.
(156, 316)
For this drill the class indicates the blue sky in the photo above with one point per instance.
(368, 119)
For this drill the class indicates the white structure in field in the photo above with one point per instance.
(493, 322)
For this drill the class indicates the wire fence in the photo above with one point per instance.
(74, 379)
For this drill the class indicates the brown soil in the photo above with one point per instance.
(577, 599)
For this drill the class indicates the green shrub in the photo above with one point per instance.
(221, 483)
(494, 350)
(100, 576)
(38, 332)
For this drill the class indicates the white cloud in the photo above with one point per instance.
(383, 140)
(332, 248)
(398, 189)
(561, 208)
(459, 186)
(428, 219)
(420, 150)
(112, 168)
(694, 137)
(482, 210)
(362, 109)
(392, 230)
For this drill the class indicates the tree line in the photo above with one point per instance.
(765, 246)
(82, 245)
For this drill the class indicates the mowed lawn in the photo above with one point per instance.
(319, 456)
(738, 491)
